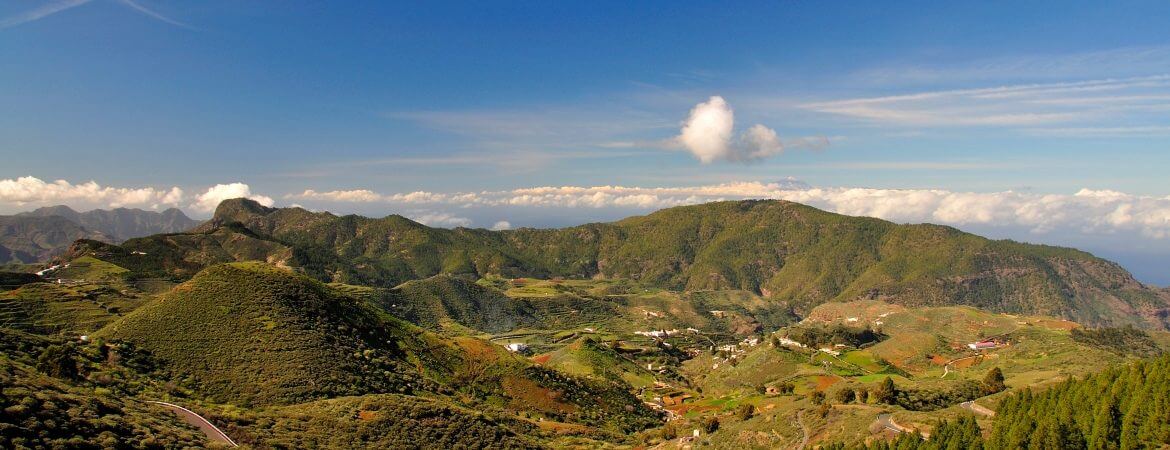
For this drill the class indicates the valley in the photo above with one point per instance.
(249, 331)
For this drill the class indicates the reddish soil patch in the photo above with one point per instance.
(824, 381)
(967, 363)
(938, 359)
(683, 409)
(367, 415)
(542, 359)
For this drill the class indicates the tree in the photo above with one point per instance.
(816, 397)
(58, 361)
(885, 392)
(711, 424)
(746, 411)
(846, 395)
(993, 381)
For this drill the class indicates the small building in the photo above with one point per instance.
(984, 344)
(517, 347)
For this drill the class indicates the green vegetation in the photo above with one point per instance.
(1125, 340)
(374, 421)
(837, 334)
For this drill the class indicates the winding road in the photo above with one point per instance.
(947, 366)
(887, 422)
(213, 432)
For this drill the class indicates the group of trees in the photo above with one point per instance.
(886, 392)
(1125, 340)
(820, 336)
(1126, 407)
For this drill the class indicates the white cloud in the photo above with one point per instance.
(32, 191)
(440, 219)
(356, 195)
(502, 225)
(207, 201)
(709, 134)
(1084, 212)
(707, 131)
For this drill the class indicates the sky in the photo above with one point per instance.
(1045, 122)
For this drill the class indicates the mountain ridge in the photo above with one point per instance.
(784, 251)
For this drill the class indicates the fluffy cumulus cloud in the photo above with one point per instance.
(502, 225)
(709, 134)
(209, 199)
(1083, 212)
(31, 191)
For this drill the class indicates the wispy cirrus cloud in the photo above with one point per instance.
(1028, 105)
(51, 8)
(154, 15)
(42, 12)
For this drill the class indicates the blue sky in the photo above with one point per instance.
(991, 116)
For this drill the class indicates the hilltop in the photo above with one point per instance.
(788, 253)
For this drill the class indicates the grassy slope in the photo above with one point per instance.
(587, 357)
(71, 309)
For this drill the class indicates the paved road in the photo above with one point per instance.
(212, 432)
(977, 409)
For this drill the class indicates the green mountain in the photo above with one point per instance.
(121, 224)
(37, 236)
(788, 253)
(32, 239)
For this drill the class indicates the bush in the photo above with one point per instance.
(711, 424)
(846, 396)
(746, 412)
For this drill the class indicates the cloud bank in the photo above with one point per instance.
(709, 134)
(1083, 212)
(28, 192)
(34, 191)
